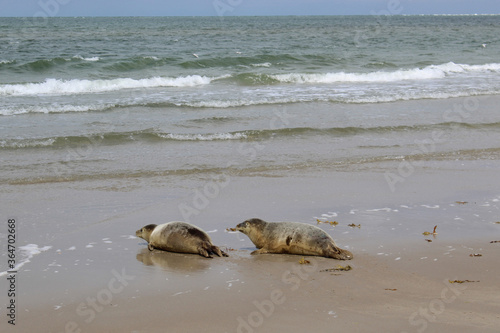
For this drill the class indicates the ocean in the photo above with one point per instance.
(145, 98)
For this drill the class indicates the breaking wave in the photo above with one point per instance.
(76, 86)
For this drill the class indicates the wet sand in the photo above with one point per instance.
(179, 293)
(96, 277)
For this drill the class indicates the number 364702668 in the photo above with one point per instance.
(11, 241)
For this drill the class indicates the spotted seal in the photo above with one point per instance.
(291, 238)
(179, 237)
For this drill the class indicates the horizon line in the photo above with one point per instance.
(247, 15)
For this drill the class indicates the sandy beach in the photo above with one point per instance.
(97, 277)
(179, 293)
(276, 294)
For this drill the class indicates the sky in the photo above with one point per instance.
(51, 8)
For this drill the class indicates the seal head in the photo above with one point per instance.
(145, 232)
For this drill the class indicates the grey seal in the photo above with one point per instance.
(291, 238)
(179, 237)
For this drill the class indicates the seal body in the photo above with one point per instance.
(179, 237)
(291, 238)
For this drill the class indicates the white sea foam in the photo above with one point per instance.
(129, 237)
(204, 137)
(264, 100)
(430, 206)
(182, 292)
(329, 215)
(27, 252)
(76, 86)
(27, 143)
(86, 59)
(264, 64)
(384, 97)
(426, 73)
(386, 209)
(354, 88)
(332, 313)
(352, 96)
(54, 108)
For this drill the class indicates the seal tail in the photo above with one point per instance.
(207, 250)
(204, 253)
(218, 251)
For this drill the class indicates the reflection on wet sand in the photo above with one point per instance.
(179, 262)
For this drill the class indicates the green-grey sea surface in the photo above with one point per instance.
(124, 98)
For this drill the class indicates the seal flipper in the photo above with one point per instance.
(150, 247)
(208, 249)
(261, 251)
(219, 252)
(215, 250)
(203, 252)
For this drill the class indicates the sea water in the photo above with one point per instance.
(113, 99)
